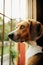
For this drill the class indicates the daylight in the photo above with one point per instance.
(14, 9)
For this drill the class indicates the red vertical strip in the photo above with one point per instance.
(22, 54)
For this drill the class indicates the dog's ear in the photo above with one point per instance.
(35, 30)
(39, 29)
(31, 31)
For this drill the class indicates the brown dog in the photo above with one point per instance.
(29, 31)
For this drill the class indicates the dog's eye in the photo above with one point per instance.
(22, 27)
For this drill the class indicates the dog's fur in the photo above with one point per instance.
(29, 31)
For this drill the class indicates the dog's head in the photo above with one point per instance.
(26, 31)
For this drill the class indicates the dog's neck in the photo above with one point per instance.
(33, 49)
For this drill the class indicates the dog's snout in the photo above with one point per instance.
(11, 36)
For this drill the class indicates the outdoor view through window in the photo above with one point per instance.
(11, 11)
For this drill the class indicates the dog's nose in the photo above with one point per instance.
(11, 36)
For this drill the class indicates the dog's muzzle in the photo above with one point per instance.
(16, 38)
(12, 37)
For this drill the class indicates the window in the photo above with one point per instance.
(14, 10)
